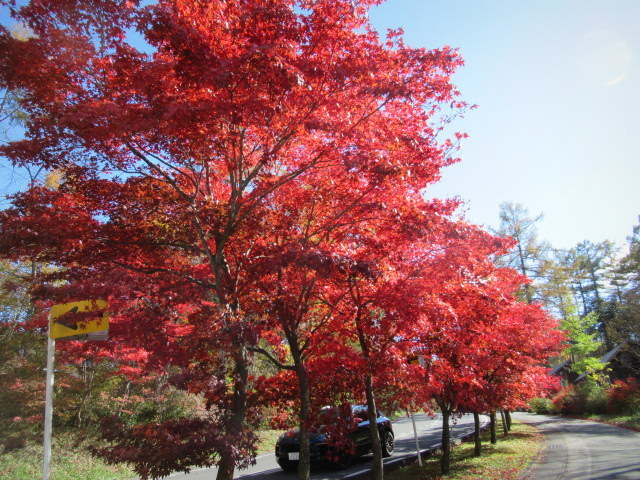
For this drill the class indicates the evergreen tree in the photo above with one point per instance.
(624, 324)
(529, 253)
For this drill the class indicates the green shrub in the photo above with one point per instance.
(541, 406)
(592, 397)
(148, 405)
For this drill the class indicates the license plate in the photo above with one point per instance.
(294, 455)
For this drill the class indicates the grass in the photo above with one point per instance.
(74, 462)
(505, 460)
(268, 440)
(631, 421)
(69, 462)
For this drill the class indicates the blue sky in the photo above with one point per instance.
(557, 125)
(558, 118)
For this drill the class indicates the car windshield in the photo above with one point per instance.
(360, 411)
(329, 415)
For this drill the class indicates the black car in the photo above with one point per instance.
(323, 451)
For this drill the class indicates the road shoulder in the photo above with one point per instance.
(578, 449)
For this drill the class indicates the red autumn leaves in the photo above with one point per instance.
(250, 182)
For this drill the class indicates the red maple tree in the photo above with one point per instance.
(175, 150)
(477, 358)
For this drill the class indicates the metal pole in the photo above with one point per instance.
(48, 406)
(421, 362)
(415, 435)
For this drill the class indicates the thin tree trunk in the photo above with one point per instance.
(227, 464)
(377, 470)
(505, 430)
(584, 300)
(492, 426)
(523, 270)
(304, 462)
(507, 414)
(88, 378)
(445, 461)
(476, 435)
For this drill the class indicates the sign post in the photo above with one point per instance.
(86, 320)
(420, 361)
(48, 407)
(415, 436)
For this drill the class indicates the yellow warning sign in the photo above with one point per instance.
(79, 319)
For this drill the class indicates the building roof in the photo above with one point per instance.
(606, 358)
(555, 370)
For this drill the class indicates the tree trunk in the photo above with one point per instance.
(523, 270)
(507, 414)
(236, 425)
(476, 435)
(304, 462)
(377, 470)
(583, 297)
(445, 461)
(505, 430)
(492, 426)
(226, 467)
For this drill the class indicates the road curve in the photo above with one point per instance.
(429, 432)
(583, 450)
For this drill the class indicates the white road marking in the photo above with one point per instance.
(196, 470)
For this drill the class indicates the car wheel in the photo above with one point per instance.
(288, 466)
(387, 444)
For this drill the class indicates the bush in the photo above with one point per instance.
(541, 406)
(593, 397)
(624, 396)
(587, 398)
(22, 382)
(566, 401)
(148, 405)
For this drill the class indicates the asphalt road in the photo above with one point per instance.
(429, 432)
(583, 450)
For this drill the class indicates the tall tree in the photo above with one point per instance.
(528, 253)
(172, 154)
(583, 343)
(590, 264)
(330, 261)
(387, 288)
(461, 305)
(591, 260)
(624, 326)
(481, 344)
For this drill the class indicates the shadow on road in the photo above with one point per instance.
(578, 449)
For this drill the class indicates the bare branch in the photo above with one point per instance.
(271, 358)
